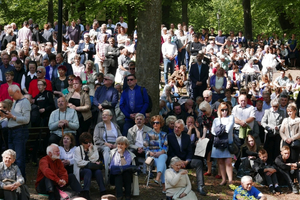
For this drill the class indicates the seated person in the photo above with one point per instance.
(67, 148)
(266, 171)
(62, 118)
(178, 112)
(246, 190)
(52, 175)
(228, 97)
(177, 181)
(192, 130)
(251, 72)
(235, 77)
(281, 81)
(168, 97)
(288, 169)
(136, 136)
(122, 157)
(180, 77)
(11, 179)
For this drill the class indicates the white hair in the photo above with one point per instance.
(246, 178)
(50, 148)
(14, 88)
(107, 111)
(9, 152)
(180, 121)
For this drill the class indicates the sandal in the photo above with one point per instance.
(157, 182)
(207, 174)
(218, 176)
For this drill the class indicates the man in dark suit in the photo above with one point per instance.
(180, 146)
(60, 61)
(198, 76)
(86, 50)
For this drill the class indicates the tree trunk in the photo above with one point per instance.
(131, 22)
(247, 19)
(65, 13)
(148, 50)
(284, 22)
(185, 11)
(50, 12)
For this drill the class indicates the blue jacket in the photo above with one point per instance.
(141, 102)
(91, 52)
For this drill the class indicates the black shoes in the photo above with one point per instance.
(277, 189)
(272, 190)
(202, 191)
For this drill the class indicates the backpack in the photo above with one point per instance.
(149, 109)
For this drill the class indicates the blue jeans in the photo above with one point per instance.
(187, 59)
(160, 164)
(17, 139)
(181, 56)
(168, 63)
(87, 175)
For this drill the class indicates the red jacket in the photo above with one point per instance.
(34, 90)
(53, 170)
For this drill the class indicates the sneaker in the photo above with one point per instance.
(294, 189)
(272, 190)
(277, 189)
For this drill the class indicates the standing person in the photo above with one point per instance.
(169, 52)
(24, 34)
(112, 53)
(293, 52)
(134, 99)
(74, 32)
(86, 50)
(19, 117)
(222, 154)
(198, 76)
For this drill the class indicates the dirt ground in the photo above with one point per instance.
(154, 192)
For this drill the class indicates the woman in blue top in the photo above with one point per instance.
(157, 148)
(293, 53)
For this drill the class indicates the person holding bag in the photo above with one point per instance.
(221, 151)
(178, 184)
(290, 132)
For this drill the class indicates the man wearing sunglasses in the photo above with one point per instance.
(33, 86)
(132, 71)
(134, 99)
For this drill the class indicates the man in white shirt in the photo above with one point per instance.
(169, 52)
(281, 81)
(24, 34)
(213, 46)
(122, 23)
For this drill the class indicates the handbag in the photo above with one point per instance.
(149, 161)
(94, 166)
(296, 143)
(233, 148)
(221, 137)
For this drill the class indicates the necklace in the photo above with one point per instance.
(67, 150)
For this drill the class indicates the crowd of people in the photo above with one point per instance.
(99, 117)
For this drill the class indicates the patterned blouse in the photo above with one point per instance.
(12, 172)
(157, 141)
(208, 121)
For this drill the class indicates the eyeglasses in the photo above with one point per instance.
(89, 142)
(205, 97)
(106, 79)
(39, 71)
(156, 122)
(130, 79)
(131, 68)
(222, 110)
(86, 91)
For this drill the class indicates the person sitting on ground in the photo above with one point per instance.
(266, 171)
(67, 148)
(11, 179)
(177, 181)
(246, 190)
(52, 176)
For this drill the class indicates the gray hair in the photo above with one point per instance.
(275, 102)
(246, 178)
(50, 148)
(10, 152)
(14, 88)
(204, 105)
(110, 76)
(108, 111)
(174, 160)
(180, 121)
(42, 67)
(89, 62)
(170, 119)
(28, 58)
(208, 92)
(140, 115)
(122, 139)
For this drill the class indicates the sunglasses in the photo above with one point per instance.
(70, 79)
(275, 106)
(130, 79)
(86, 91)
(205, 97)
(222, 110)
(131, 68)
(87, 142)
(106, 79)
(156, 122)
(38, 71)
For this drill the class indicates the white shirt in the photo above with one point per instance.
(24, 78)
(243, 114)
(139, 138)
(259, 114)
(169, 49)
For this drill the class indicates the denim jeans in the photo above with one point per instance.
(87, 175)
(17, 139)
(160, 164)
(168, 63)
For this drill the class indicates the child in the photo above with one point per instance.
(266, 171)
(288, 170)
(228, 97)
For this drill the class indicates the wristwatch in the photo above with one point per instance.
(121, 156)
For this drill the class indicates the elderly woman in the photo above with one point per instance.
(290, 131)
(77, 67)
(67, 148)
(85, 156)
(157, 148)
(122, 157)
(80, 101)
(206, 118)
(218, 84)
(105, 136)
(178, 183)
(61, 82)
(11, 179)
(89, 76)
(271, 121)
(222, 154)
(121, 37)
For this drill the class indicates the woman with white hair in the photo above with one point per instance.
(11, 179)
(89, 76)
(178, 184)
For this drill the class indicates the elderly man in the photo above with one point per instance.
(33, 86)
(18, 118)
(52, 175)
(123, 62)
(169, 52)
(48, 54)
(136, 136)
(60, 61)
(180, 146)
(178, 112)
(207, 96)
(246, 190)
(62, 118)
(244, 116)
(103, 31)
(86, 50)
(106, 96)
(11, 179)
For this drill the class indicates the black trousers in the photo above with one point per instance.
(123, 180)
(272, 146)
(288, 177)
